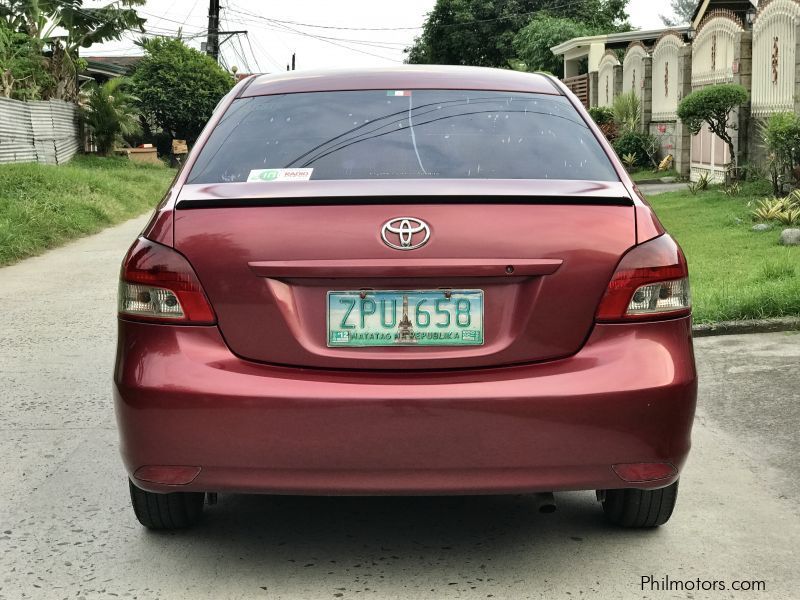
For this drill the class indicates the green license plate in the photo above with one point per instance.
(405, 318)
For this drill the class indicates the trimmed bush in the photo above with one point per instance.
(712, 106)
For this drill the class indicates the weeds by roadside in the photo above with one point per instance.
(42, 206)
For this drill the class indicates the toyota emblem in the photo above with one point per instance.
(405, 233)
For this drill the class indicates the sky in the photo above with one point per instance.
(341, 36)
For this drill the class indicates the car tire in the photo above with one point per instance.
(176, 510)
(640, 508)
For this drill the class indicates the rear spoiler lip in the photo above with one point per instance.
(401, 200)
(414, 191)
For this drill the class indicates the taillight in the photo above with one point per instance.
(157, 284)
(651, 282)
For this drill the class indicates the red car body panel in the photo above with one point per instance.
(259, 403)
(184, 399)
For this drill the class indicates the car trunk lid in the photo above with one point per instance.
(268, 254)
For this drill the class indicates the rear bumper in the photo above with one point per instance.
(182, 398)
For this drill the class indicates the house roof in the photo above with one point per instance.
(112, 66)
(616, 40)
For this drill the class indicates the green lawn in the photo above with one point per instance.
(736, 273)
(42, 206)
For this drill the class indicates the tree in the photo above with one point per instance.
(178, 87)
(23, 70)
(712, 106)
(533, 42)
(482, 32)
(110, 113)
(683, 11)
(41, 20)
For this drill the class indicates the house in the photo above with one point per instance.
(753, 44)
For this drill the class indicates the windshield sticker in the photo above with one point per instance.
(279, 175)
(398, 93)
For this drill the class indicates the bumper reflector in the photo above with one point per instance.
(639, 472)
(167, 475)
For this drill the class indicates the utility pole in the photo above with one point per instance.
(212, 43)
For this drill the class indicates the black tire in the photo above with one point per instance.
(640, 508)
(177, 510)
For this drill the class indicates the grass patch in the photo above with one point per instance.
(736, 273)
(42, 206)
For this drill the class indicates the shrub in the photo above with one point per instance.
(637, 144)
(627, 112)
(700, 185)
(783, 210)
(601, 114)
(780, 134)
(110, 114)
(711, 106)
(604, 117)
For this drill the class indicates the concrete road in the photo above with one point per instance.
(653, 189)
(66, 529)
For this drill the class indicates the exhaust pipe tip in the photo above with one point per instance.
(546, 503)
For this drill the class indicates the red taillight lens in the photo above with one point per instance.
(157, 284)
(651, 282)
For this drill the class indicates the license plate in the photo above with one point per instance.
(405, 318)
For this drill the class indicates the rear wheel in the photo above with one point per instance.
(176, 510)
(640, 508)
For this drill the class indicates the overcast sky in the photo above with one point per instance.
(269, 44)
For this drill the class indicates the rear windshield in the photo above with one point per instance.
(401, 134)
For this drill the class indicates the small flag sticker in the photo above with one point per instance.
(398, 93)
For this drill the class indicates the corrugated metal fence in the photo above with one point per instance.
(38, 131)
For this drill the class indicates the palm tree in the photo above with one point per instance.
(110, 113)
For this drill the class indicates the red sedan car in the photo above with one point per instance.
(429, 280)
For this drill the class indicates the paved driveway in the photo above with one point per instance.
(66, 530)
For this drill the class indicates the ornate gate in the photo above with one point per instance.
(713, 63)
(774, 51)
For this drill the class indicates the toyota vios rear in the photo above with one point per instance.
(408, 281)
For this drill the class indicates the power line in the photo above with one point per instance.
(317, 37)
(267, 54)
(250, 14)
(373, 43)
(255, 58)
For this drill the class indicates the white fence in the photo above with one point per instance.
(38, 131)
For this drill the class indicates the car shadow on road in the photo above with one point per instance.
(465, 542)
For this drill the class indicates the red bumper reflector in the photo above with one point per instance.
(167, 475)
(638, 472)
